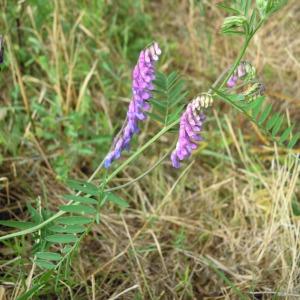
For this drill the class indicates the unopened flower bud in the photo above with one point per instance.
(233, 22)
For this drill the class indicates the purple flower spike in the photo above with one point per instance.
(142, 76)
(190, 127)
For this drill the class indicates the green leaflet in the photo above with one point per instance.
(17, 224)
(79, 209)
(294, 140)
(117, 200)
(265, 113)
(44, 264)
(85, 187)
(35, 215)
(277, 126)
(272, 121)
(80, 199)
(285, 134)
(257, 106)
(48, 255)
(74, 220)
(61, 238)
(67, 229)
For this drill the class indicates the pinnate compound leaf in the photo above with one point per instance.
(168, 95)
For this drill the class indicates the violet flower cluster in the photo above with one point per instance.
(191, 122)
(244, 71)
(142, 77)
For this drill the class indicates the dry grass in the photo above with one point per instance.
(227, 214)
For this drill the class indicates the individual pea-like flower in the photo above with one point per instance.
(190, 127)
(244, 71)
(142, 76)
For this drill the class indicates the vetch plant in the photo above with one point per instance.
(58, 234)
